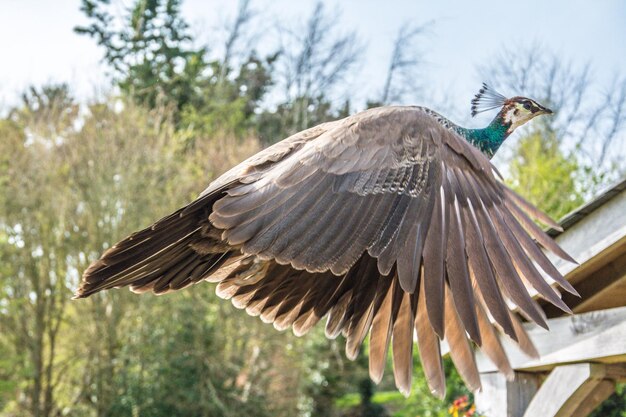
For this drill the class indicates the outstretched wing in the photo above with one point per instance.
(385, 221)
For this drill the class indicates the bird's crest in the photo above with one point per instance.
(487, 99)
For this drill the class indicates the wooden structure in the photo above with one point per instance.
(583, 355)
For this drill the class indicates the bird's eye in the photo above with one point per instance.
(527, 106)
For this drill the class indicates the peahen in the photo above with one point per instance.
(391, 222)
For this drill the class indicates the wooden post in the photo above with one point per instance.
(502, 398)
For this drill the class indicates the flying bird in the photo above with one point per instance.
(392, 222)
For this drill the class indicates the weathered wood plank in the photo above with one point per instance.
(605, 288)
(597, 231)
(597, 239)
(598, 336)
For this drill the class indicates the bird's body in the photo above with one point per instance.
(388, 222)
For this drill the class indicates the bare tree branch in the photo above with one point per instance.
(315, 59)
(616, 97)
(585, 118)
(405, 62)
(235, 33)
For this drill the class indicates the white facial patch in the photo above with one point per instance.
(517, 115)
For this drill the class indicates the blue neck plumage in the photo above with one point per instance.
(488, 139)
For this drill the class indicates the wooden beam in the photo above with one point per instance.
(616, 372)
(597, 238)
(604, 288)
(601, 392)
(611, 295)
(598, 230)
(565, 389)
(598, 336)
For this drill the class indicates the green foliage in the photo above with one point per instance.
(179, 367)
(421, 402)
(228, 105)
(154, 62)
(543, 174)
(69, 193)
(614, 406)
(151, 53)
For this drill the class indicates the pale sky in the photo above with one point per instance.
(37, 44)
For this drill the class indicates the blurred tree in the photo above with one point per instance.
(315, 60)
(329, 375)
(34, 248)
(69, 190)
(404, 66)
(151, 54)
(154, 61)
(556, 162)
(228, 106)
(588, 118)
(542, 173)
(235, 84)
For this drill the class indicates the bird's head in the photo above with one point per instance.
(519, 110)
(514, 112)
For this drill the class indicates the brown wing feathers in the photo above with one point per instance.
(159, 258)
(402, 341)
(429, 348)
(386, 223)
(460, 349)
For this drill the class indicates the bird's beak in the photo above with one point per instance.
(545, 110)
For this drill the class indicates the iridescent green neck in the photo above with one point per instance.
(488, 139)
